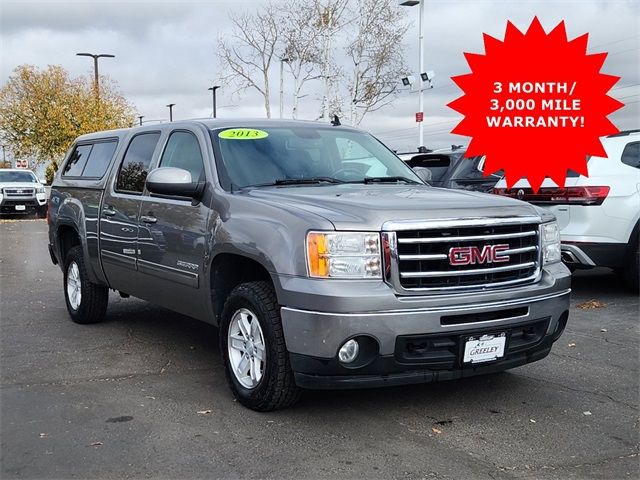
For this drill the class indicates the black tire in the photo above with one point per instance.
(93, 298)
(276, 389)
(632, 271)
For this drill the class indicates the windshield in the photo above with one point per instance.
(12, 176)
(305, 154)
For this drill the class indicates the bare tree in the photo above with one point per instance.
(375, 55)
(301, 48)
(311, 35)
(248, 54)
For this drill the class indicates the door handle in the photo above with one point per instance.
(148, 219)
(108, 211)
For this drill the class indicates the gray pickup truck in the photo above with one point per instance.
(324, 260)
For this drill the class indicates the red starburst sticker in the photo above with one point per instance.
(535, 104)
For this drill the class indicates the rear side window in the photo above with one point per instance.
(100, 158)
(77, 161)
(631, 155)
(135, 165)
(90, 161)
(183, 151)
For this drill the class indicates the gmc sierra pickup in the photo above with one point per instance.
(322, 258)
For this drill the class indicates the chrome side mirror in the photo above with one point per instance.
(175, 182)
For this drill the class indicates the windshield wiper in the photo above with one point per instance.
(301, 181)
(388, 180)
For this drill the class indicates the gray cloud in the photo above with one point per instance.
(133, 17)
(165, 53)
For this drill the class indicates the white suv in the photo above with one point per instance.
(21, 193)
(598, 215)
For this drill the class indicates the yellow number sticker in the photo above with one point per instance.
(243, 134)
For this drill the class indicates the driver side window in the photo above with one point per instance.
(183, 151)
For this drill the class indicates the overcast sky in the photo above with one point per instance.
(165, 53)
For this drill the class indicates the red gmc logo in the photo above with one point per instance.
(473, 255)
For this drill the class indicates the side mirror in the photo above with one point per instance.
(174, 182)
(424, 173)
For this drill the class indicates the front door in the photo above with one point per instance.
(172, 234)
(119, 214)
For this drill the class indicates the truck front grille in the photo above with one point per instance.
(459, 257)
(18, 192)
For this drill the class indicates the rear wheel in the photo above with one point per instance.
(86, 301)
(253, 349)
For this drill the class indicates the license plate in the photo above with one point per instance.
(20, 207)
(484, 349)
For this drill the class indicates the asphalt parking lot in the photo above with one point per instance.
(143, 395)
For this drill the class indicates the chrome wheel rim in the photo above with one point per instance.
(246, 347)
(74, 290)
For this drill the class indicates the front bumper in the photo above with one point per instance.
(437, 332)
(316, 374)
(27, 205)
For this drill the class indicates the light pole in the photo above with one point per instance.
(95, 57)
(171, 111)
(411, 3)
(4, 157)
(213, 92)
(282, 60)
(140, 117)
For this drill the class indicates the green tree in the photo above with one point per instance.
(43, 111)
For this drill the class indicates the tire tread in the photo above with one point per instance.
(282, 391)
(95, 298)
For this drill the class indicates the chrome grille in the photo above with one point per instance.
(19, 192)
(423, 256)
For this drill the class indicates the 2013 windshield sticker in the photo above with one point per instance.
(243, 134)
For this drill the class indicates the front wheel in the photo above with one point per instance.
(86, 301)
(253, 349)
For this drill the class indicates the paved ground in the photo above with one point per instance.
(121, 399)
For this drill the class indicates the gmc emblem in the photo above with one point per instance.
(473, 255)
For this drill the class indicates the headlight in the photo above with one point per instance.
(344, 255)
(550, 243)
(40, 190)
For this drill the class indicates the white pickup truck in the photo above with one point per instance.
(21, 193)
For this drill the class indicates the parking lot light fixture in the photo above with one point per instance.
(96, 76)
(171, 105)
(213, 91)
(411, 3)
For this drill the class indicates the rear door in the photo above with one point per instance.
(172, 233)
(119, 214)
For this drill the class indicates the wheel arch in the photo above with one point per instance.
(67, 237)
(229, 269)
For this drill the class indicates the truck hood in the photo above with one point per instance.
(19, 185)
(368, 207)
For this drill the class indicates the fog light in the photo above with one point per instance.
(349, 351)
